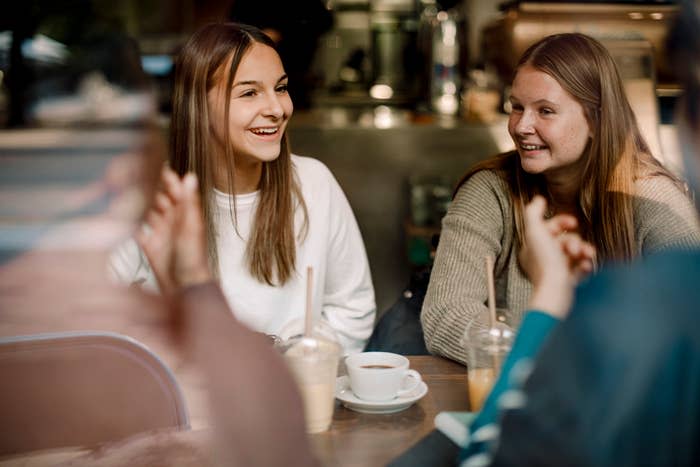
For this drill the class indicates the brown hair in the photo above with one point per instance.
(271, 248)
(616, 156)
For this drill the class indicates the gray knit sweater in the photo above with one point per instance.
(480, 222)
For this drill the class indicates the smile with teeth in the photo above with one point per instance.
(532, 147)
(264, 131)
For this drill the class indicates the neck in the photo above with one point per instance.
(563, 196)
(246, 178)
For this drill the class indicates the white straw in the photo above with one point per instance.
(309, 288)
(492, 289)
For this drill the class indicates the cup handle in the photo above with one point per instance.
(415, 376)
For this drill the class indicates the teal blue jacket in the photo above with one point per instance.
(617, 383)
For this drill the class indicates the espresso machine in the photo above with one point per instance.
(395, 64)
(523, 23)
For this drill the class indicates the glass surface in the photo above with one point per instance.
(486, 346)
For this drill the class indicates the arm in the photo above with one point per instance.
(175, 243)
(457, 292)
(664, 216)
(348, 296)
(257, 411)
(554, 260)
(254, 402)
(598, 396)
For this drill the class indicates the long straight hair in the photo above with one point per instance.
(271, 247)
(615, 158)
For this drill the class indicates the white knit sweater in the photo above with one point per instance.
(343, 294)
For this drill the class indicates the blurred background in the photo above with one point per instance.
(397, 97)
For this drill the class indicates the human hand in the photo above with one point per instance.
(175, 241)
(554, 257)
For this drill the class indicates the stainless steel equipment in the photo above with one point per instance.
(395, 65)
(523, 23)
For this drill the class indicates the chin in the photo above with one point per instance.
(532, 167)
(270, 155)
(266, 154)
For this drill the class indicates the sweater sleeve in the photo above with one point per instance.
(256, 407)
(664, 216)
(473, 227)
(129, 265)
(348, 295)
(483, 431)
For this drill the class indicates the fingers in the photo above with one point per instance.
(534, 211)
(190, 185)
(163, 212)
(171, 184)
(581, 254)
(562, 223)
(191, 208)
(575, 247)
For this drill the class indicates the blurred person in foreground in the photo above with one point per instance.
(74, 188)
(616, 380)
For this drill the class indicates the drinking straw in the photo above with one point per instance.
(497, 363)
(307, 317)
(492, 290)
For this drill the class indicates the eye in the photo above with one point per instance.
(248, 93)
(546, 111)
(516, 108)
(282, 88)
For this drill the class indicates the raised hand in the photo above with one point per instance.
(174, 239)
(554, 257)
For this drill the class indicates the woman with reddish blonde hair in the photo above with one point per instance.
(577, 145)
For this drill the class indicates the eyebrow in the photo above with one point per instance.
(256, 83)
(537, 102)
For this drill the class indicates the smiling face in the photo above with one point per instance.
(547, 124)
(259, 110)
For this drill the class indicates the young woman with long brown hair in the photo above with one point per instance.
(577, 145)
(269, 214)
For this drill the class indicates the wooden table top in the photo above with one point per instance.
(354, 439)
(359, 439)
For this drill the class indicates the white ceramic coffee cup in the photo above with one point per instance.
(380, 376)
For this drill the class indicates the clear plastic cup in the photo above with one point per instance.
(313, 360)
(486, 346)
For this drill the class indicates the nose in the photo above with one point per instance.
(273, 106)
(523, 123)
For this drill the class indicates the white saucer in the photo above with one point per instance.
(344, 394)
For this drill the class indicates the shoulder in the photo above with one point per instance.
(651, 284)
(316, 180)
(484, 184)
(660, 197)
(484, 199)
(486, 178)
(308, 166)
(659, 187)
(638, 314)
